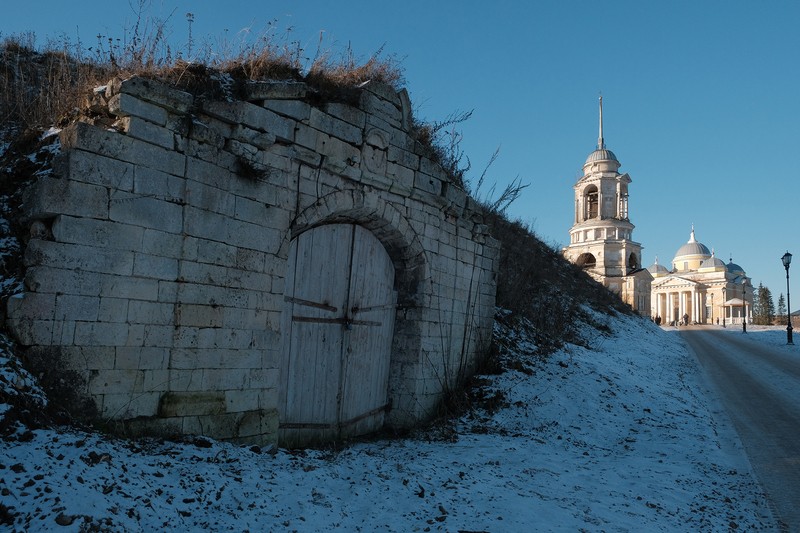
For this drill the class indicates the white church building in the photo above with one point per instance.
(700, 288)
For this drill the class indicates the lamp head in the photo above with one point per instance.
(787, 260)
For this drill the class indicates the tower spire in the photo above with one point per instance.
(600, 142)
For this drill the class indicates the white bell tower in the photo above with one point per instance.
(601, 238)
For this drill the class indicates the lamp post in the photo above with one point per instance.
(787, 260)
(744, 309)
(724, 306)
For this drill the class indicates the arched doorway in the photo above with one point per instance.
(337, 328)
(586, 261)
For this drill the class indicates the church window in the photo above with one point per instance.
(591, 202)
(633, 262)
(623, 206)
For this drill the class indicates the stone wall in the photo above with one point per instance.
(158, 252)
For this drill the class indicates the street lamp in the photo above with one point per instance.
(787, 260)
(744, 309)
(724, 306)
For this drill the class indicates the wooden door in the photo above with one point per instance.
(338, 325)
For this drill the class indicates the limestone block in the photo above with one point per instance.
(253, 116)
(335, 127)
(156, 242)
(82, 166)
(306, 136)
(217, 253)
(97, 233)
(225, 379)
(274, 90)
(395, 135)
(295, 109)
(337, 152)
(129, 287)
(252, 319)
(348, 113)
(206, 197)
(208, 173)
(118, 146)
(31, 332)
(153, 266)
(74, 307)
(118, 406)
(428, 184)
(71, 256)
(239, 345)
(433, 169)
(63, 333)
(146, 212)
(158, 336)
(112, 309)
(125, 105)
(191, 404)
(204, 316)
(150, 182)
(250, 211)
(168, 291)
(142, 312)
(148, 132)
(252, 137)
(100, 334)
(157, 379)
(52, 196)
(374, 105)
(213, 134)
(237, 401)
(31, 305)
(403, 157)
(154, 91)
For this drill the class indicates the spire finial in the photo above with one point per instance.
(600, 142)
(691, 236)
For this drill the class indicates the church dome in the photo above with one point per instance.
(734, 268)
(657, 269)
(692, 248)
(712, 262)
(601, 154)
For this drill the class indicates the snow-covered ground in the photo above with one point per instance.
(620, 437)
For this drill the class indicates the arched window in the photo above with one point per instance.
(633, 262)
(586, 261)
(590, 202)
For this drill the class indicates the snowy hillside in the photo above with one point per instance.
(619, 437)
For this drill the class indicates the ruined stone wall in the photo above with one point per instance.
(158, 252)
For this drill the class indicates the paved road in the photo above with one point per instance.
(759, 385)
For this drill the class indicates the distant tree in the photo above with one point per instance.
(758, 309)
(781, 315)
(763, 306)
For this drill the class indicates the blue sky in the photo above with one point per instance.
(701, 100)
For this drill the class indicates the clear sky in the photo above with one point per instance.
(701, 100)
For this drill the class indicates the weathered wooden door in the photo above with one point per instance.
(338, 324)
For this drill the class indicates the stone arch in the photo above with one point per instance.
(591, 202)
(633, 261)
(586, 261)
(412, 276)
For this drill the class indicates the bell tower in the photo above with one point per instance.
(601, 238)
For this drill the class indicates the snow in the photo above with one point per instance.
(622, 435)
